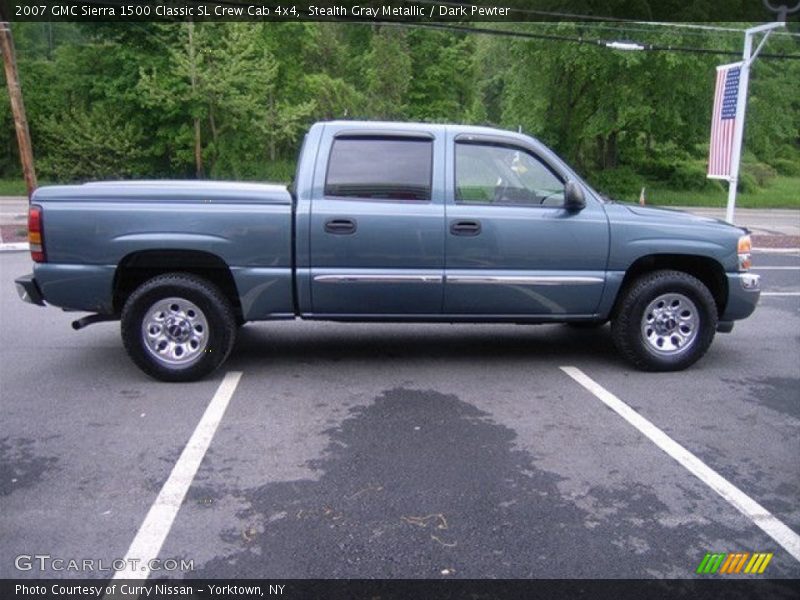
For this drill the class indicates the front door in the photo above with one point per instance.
(512, 249)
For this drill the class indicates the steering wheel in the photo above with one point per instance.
(500, 190)
(550, 195)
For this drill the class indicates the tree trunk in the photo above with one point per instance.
(611, 157)
(198, 150)
(198, 142)
(600, 152)
(273, 120)
(213, 124)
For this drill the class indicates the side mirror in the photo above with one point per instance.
(574, 199)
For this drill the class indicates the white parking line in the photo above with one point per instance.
(153, 531)
(780, 293)
(736, 497)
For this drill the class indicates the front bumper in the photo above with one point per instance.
(28, 290)
(744, 290)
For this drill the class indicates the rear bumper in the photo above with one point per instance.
(744, 290)
(28, 289)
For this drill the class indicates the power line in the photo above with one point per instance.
(580, 17)
(579, 40)
(620, 27)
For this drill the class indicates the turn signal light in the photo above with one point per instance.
(744, 250)
(35, 235)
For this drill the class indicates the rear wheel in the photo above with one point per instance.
(178, 327)
(665, 321)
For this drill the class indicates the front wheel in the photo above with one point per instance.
(178, 327)
(665, 321)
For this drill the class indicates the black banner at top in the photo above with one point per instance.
(377, 11)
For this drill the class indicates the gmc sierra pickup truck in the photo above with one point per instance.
(386, 222)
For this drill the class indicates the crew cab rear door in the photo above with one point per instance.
(377, 223)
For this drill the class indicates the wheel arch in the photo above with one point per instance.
(138, 267)
(708, 270)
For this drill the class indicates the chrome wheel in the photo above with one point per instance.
(175, 331)
(670, 324)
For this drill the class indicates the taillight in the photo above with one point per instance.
(35, 233)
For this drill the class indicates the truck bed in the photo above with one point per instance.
(92, 228)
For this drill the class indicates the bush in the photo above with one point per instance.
(690, 176)
(786, 166)
(660, 169)
(762, 173)
(679, 174)
(82, 146)
(747, 183)
(281, 171)
(622, 182)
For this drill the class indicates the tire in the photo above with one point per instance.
(665, 321)
(178, 327)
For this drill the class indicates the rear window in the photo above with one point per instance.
(380, 169)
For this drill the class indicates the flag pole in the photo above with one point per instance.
(748, 56)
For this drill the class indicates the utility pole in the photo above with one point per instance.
(17, 106)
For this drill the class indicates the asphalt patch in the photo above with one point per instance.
(20, 466)
(420, 484)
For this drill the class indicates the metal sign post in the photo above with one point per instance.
(748, 56)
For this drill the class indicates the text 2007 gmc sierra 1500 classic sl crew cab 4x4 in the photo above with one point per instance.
(386, 222)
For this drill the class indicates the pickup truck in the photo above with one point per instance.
(386, 222)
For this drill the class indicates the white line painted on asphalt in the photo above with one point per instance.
(780, 293)
(776, 250)
(153, 531)
(773, 527)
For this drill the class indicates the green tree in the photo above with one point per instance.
(388, 74)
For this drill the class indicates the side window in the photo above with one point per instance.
(380, 168)
(489, 174)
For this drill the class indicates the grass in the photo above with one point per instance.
(13, 187)
(780, 192)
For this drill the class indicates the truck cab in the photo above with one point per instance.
(432, 221)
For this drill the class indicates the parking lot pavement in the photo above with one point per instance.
(354, 450)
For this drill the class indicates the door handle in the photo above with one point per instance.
(467, 228)
(340, 226)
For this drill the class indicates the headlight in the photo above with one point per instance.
(744, 250)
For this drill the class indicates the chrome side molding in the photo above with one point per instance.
(378, 278)
(460, 279)
(522, 280)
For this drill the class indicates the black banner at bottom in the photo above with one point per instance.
(397, 589)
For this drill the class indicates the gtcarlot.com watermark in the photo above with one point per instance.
(47, 562)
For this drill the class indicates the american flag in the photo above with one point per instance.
(723, 121)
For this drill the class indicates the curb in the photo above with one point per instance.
(15, 247)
